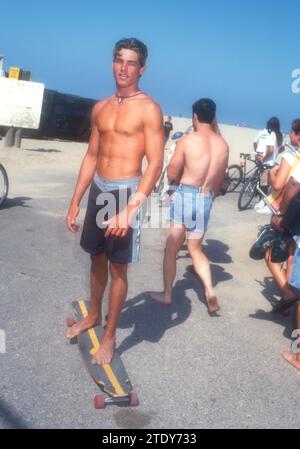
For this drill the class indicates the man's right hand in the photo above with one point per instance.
(71, 217)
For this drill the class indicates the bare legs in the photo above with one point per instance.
(117, 295)
(98, 281)
(202, 268)
(175, 238)
(280, 275)
(294, 357)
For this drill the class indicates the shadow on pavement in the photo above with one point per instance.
(218, 274)
(269, 290)
(19, 201)
(215, 250)
(10, 417)
(150, 320)
(42, 150)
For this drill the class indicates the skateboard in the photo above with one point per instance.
(111, 377)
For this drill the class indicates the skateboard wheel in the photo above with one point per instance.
(99, 401)
(70, 322)
(133, 399)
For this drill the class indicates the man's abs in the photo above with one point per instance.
(120, 163)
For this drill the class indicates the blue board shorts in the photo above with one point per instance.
(190, 207)
(106, 199)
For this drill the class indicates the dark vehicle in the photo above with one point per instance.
(63, 116)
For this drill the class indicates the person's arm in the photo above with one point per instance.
(278, 176)
(86, 173)
(290, 190)
(154, 151)
(222, 180)
(176, 164)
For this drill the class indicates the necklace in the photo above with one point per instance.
(121, 98)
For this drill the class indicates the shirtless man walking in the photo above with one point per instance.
(197, 167)
(125, 127)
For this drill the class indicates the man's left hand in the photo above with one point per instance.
(118, 226)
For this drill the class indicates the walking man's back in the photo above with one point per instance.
(205, 155)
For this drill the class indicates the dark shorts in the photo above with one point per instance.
(118, 249)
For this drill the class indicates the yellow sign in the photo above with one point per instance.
(14, 73)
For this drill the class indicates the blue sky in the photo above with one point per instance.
(240, 53)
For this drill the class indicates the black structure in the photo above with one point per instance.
(63, 116)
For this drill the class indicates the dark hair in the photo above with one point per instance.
(296, 125)
(205, 109)
(273, 124)
(132, 44)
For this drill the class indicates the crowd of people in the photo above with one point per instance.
(284, 183)
(127, 126)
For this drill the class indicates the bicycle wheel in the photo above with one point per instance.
(3, 185)
(248, 192)
(234, 176)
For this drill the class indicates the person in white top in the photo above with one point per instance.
(267, 146)
(269, 142)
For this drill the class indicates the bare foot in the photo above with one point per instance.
(161, 297)
(212, 304)
(105, 352)
(82, 326)
(293, 359)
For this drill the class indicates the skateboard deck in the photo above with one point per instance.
(111, 377)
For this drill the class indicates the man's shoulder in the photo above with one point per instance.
(101, 103)
(150, 102)
(97, 108)
(150, 107)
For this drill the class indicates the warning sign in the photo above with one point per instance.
(14, 73)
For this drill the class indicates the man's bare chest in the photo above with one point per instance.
(120, 119)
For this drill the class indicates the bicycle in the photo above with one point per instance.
(3, 185)
(237, 174)
(252, 188)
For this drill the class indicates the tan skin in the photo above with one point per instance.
(121, 135)
(200, 159)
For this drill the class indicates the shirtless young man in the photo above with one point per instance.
(125, 127)
(198, 166)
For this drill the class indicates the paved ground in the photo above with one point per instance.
(190, 370)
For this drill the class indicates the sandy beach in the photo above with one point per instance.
(190, 370)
